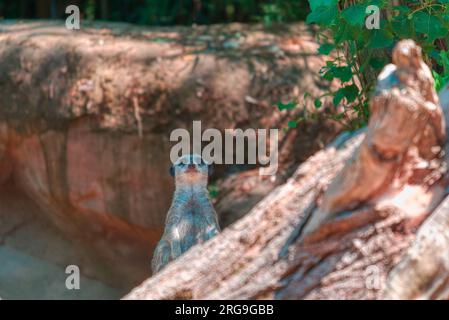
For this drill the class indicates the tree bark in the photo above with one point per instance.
(426, 261)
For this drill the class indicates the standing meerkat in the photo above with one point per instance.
(191, 218)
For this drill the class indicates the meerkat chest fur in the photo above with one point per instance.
(192, 218)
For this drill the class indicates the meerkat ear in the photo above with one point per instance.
(172, 171)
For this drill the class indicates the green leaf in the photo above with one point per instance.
(323, 15)
(429, 25)
(444, 81)
(445, 17)
(288, 106)
(343, 73)
(338, 96)
(292, 124)
(427, 47)
(317, 103)
(347, 32)
(329, 75)
(434, 54)
(402, 9)
(351, 92)
(380, 3)
(314, 4)
(380, 39)
(326, 48)
(440, 81)
(377, 63)
(355, 15)
(437, 79)
(213, 191)
(402, 27)
(444, 60)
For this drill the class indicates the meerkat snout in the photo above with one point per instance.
(191, 218)
(191, 167)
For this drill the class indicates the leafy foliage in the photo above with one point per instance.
(163, 12)
(356, 54)
(213, 190)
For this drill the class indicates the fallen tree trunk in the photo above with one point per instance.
(345, 219)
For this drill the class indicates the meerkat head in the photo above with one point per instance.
(191, 169)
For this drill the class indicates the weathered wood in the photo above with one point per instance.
(423, 273)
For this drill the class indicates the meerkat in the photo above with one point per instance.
(191, 218)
